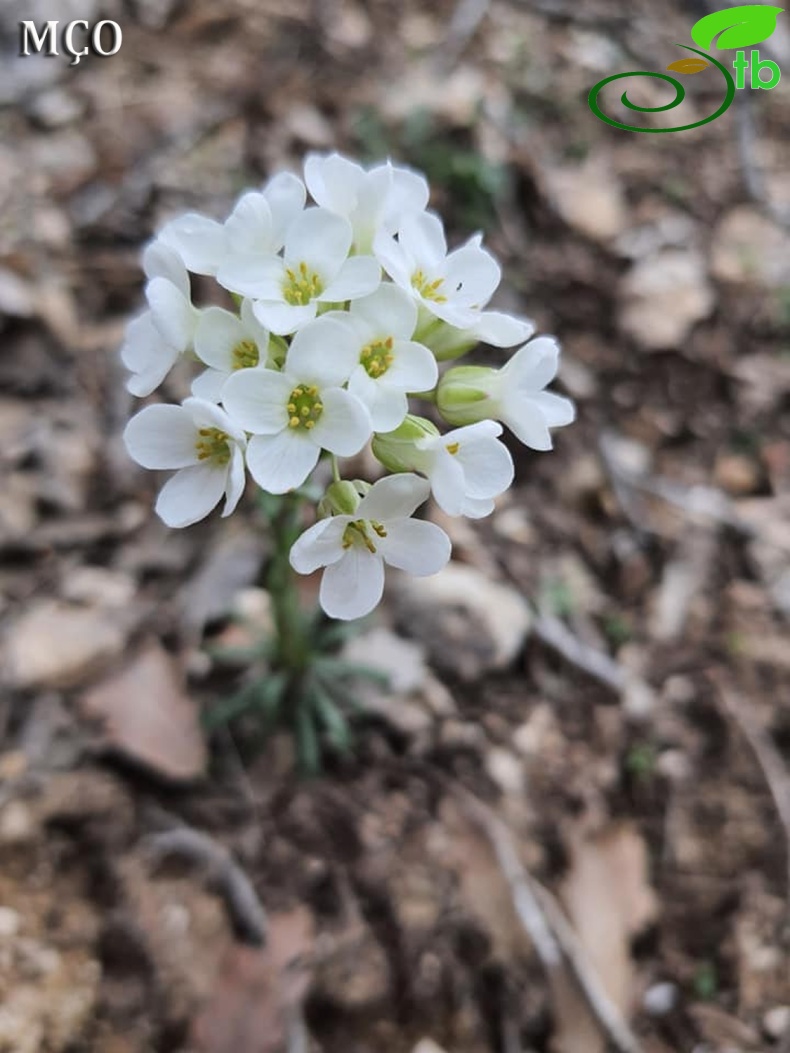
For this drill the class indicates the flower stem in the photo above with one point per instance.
(335, 469)
(292, 645)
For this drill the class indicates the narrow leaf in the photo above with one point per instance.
(688, 65)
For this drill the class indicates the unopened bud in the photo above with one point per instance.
(465, 394)
(397, 450)
(340, 499)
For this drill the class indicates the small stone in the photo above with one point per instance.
(588, 197)
(737, 474)
(505, 769)
(776, 1022)
(58, 646)
(17, 825)
(427, 1045)
(97, 586)
(401, 661)
(470, 624)
(660, 999)
(10, 923)
(748, 248)
(663, 297)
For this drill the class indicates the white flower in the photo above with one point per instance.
(372, 201)
(227, 343)
(206, 447)
(157, 338)
(452, 287)
(254, 230)
(295, 414)
(315, 269)
(389, 363)
(467, 468)
(354, 548)
(519, 399)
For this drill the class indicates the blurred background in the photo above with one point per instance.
(589, 715)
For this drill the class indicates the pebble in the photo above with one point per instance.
(660, 999)
(776, 1022)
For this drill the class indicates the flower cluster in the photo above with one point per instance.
(344, 308)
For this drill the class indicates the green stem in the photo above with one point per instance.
(335, 469)
(292, 645)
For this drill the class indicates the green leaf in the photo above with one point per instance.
(736, 27)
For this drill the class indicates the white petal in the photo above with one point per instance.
(557, 411)
(280, 463)
(528, 425)
(198, 241)
(256, 399)
(535, 364)
(208, 385)
(234, 483)
(253, 329)
(286, 195)
(344, 427)
(416, 547)
(394, 496)
(160, 260)
(487, 467)
(477, 507)
(447, 483)
(395, 260)
(325, 351)
(353, 586)
(333, 181)
(358, 276)
(283, 318)
(321, 240)
(389, 311)
(320, 545)
(423, 237)
(146, 354)
(409, 193)
(502, 330)
(471, 275)
(172, 314)
(387, 406)
(414, 367)
(217, 333)
(255, 274)
(206, 414)
(250, 228)
(162, 437)
(190, 495)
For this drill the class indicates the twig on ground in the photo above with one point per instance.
(597, 664)
(552, 935)
(777, 777)
(222, 871)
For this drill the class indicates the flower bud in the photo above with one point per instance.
(397, 450)
(447, 342)
(465, 394)
(341, 499)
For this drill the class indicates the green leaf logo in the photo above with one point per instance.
(737, 27)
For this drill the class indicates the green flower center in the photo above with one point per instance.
(377, 357)
(304, 407)
(428, 290)
(213, 445)
(245, 355)
(357, 533)
(301, 285)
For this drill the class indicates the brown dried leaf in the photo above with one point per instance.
(147, 715)
(688, 65)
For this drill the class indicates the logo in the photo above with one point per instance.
(93, 40)
(734, 29)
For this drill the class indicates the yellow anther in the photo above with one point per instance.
(377, 357)
(453, 447)
(309, 424)
(428, 290)
(291, 407)
(304, 407)
(294, 422)
(213, 445)
(245, 355)
(301, 286)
